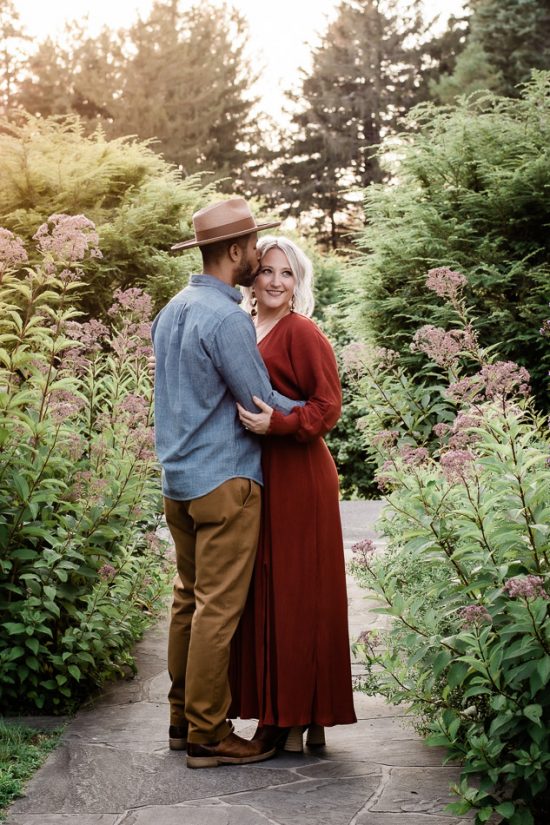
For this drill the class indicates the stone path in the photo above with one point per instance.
(114, 767)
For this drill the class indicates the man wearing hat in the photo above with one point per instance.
(206, 361)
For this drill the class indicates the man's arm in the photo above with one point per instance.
(236, 356)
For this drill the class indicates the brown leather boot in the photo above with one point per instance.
(233, 750)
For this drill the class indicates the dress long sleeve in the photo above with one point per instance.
(316, 375)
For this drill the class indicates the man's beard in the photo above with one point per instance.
(246, 274)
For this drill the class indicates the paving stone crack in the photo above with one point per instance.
(374, 797)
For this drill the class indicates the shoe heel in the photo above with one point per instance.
(177, 744)
(294, 742)
(202, 762)
(315, 736)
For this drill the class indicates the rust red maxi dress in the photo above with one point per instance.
(291, 658)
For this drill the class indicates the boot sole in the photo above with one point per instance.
(216, 761)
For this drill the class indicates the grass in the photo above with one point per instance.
(22, 752)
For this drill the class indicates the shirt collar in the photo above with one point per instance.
(211, 280)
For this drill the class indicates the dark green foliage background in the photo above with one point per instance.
(473, 194)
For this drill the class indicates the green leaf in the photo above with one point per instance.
(33, 644)
(533, 712)
(24, 554)
(75, 672)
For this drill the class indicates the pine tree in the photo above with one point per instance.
(366, 74)
(12, 41)
(515, 35)
(506, 40)
(187, 86)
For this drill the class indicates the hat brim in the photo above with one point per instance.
(258, 228)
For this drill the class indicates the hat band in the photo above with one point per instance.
(226, 229)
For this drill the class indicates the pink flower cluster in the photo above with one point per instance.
(68, 238)
(385, 438)
(135, 410)
(414, 456)
(73, 445)
(133, 301)
(383, 476)
(368, 639)
(385, 357)
(498, 380)
(363, 550)
(133, 308)
(505, 378)
(456, 465)
(88, 487)
(64, 404)
(526, 587)
(354, 356)
(90, 333)
(445, 282)
(460, 437)
(12, 251)
(155, 544)
(441, 346)
(107, 572)
(461, 430)
(475, 614)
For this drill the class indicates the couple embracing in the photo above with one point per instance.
(242, 402)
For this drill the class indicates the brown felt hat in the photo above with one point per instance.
(222, 221)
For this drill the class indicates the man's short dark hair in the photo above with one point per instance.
(214, 252)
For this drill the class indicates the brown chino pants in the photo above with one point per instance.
(215, 537)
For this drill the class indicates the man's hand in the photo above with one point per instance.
(256, 422)
(151, 367)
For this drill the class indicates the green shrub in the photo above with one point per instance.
(472, 192)
(81, 570)
(466, 580)
(139, 203)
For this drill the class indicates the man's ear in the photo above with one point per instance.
(235, 252)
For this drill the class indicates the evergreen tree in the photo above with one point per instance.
(12, 40)
(187, 86)
(82, 77)
(366, 74)
(515, 35)
(46, 87)
(507, 39)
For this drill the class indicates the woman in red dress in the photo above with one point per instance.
(291, 657)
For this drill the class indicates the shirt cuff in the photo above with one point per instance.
(283, 424)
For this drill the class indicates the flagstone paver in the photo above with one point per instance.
(114, 766)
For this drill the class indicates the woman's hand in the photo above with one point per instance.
(256, 422)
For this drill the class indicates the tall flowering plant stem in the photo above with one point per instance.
(465, 579)
(81, 568)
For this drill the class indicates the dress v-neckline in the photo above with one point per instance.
(274, 327)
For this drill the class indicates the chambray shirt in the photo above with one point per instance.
(206, 360)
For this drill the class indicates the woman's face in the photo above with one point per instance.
(275, 283)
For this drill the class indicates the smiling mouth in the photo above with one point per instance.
(273, 292)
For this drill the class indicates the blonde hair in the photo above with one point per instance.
(301, 268)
